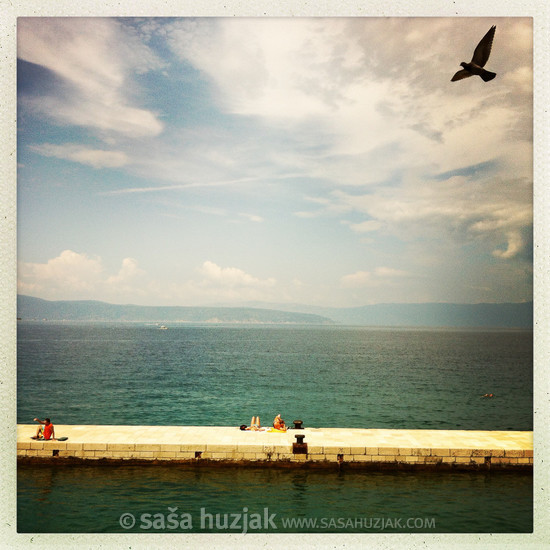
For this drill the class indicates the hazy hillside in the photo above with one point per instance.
(414, 315)
(36, 308)
(507, 315)
(444, 315)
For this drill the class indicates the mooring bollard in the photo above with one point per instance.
(299, 448)
(298, 424)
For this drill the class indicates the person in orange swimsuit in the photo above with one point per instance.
(279, 423)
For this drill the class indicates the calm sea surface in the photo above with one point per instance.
(79, 373)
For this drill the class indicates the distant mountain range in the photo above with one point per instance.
(505, 315)
(508, 315)
(88, 310)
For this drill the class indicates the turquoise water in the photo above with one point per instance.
(80, 373)
(328, 377)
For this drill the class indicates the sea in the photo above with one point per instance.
(222, 375)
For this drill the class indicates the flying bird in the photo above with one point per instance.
(481, 55)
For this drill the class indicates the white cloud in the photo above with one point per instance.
(252, 217)
(70, 272)
(78, 276)
(373, 94)
(129, 271)
(367, 226)
(391, 272)
(357, 279)
(359, 114)
(257, 71)
(514, 247)
(232, 277)
(482, 209)
(96, 158)
(96, 59)
(380, 276)
(215, 285)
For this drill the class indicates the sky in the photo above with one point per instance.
(319, 161)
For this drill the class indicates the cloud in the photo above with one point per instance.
(95, 60)
(366, 226)
(353, 96)
(252, 217)
(357, 279)
(231, 277)
(373, 93)
(215, 285)
(96, 158)
(380, 276)
(70, 272)
(390, 272)
(255, 70)
(191, 185)
(340, 121)
(514, 247)
(128, 272)
(481, 210)
(77, 276)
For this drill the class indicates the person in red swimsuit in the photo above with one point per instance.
(47, 430)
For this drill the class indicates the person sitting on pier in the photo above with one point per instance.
(255, 425)
(279, 423)
(46, 430)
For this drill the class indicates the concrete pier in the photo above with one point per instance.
(444, 449)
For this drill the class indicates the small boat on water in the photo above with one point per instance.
(162, 327)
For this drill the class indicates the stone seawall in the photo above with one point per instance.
(321, 447)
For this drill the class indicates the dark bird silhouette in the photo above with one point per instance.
(481, 55)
